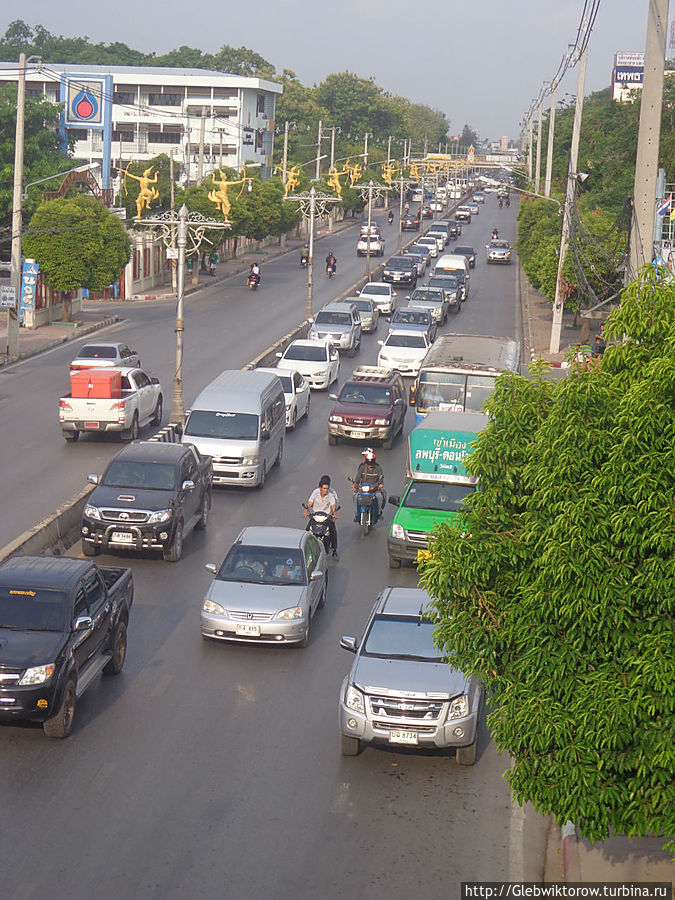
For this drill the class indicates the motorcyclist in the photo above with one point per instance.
(370, 472)
(391, 216)
(324, 499)
(508, 201)
(331, 261)
(501, 202)
(254, 274)
(304, 255)
(495, 234)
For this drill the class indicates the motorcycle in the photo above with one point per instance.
(365, 501)
(304, 260)
(318, 525)
(495, 235)
(501, 202)
(252, 282)
(330, 269)
(391, 217)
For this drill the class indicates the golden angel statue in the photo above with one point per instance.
(146, 194)
(220, 196)
(292, 178)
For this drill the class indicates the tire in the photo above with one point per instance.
(206, 507)
(72, 437)
(119, 651)
(333, 440)
(157, 417)
(466, 756)
(394, 563)
(60, 725)
(294, 420)
(277, 461)
(309, 400)
(263, 475)
(131, 434)
(174, 551)
(365, 524)
(349, 746)
(322, 601)
(388, 443)
(89, 549)
(305, 641)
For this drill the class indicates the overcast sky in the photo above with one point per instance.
(481, 61)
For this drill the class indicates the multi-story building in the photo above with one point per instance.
(115, 114)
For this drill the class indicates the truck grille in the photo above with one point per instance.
(406, 708)
(390, 726)
(227, 460)
(421, 538)
(125, 516)
(350, 421)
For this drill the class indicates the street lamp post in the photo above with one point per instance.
(369, 191)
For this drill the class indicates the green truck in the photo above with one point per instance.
(437, 481)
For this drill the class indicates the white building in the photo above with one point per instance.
(119, 113)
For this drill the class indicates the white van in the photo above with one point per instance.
(239, 420)
(452, 263)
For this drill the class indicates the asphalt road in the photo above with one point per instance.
(208, 770)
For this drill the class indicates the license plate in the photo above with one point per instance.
(122, 537)
(91, 424)
(403, 737)
(249, 630)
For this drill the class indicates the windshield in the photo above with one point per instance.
(371, 288)
(286, 384)
(454, 391)
(499, 245)
(363, 305)
(150, 476)
(405, 340)
(406, 317)
(263, 565)
(362, 392)
(426, 297)
(315, 353)
(437, 495)
(333, 318)
(448, 284)
(95, 351)
(399, 263)
(402, 637)
(233, 426)
(33, 609)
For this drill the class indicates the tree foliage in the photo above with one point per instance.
(78, 243)
(558, 588)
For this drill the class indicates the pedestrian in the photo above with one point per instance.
(212, 264)
(599, 346)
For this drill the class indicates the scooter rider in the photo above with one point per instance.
(391, 216)
(495, 234)
(370, 472)
(304, 255)
(254, 274)
(331, 261)
(324, 499)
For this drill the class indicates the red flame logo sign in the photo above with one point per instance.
(85, 105)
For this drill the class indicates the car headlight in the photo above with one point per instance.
(383, 421)
(250, 461)
(161, 515)
(210, 606)
(37, 674)
(354, 699)
(397, 531)
(459, 707)
(92, 512)
(335, 419)
(293, 612)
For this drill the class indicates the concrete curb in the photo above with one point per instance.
(81, 332)
(570, 853)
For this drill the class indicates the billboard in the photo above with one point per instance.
(629, 75)
(629, 58)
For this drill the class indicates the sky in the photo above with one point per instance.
(481, 62)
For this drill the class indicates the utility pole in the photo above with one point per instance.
(15, 265)
(646, 164)
(177, 409)
(549, 146)
(332, 146)
(370, 207)
(570, 193)
(221, 146)
(317, 173)
(173, 227)
(310, 261)
(365, 151)
(202, 128)
(285, 156)
(389, 150)
(529, 150)
(400, 214)
(426, 144)
(537, 176)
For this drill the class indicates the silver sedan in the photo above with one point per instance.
(269, 586)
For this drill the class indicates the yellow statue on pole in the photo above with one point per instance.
(355, 172)
(292, 178)
(220, 196)
(334, 179)
(388, 173)
(146, 194)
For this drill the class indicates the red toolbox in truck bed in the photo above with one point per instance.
(104, 384)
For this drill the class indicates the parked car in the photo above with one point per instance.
(415, 320)
(498, 252)
(400, 270)
(402, 689)
(339, 323)
(104, 354)
(382, 295)
(296, 394)
(370, 406)
(376, 245)
(470, 254)
(369, 313)
(318, 361)
(403, 351)
(266, 591)
(149, 497)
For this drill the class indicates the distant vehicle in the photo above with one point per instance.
(296, 394)
(279, 577)
(440, 235)
(469, 252)
(410, 222)
(479, 197)
(430, 243)
(369, 313)
(318, 361)
(427, 211)
(420, 259)
(400, 270)
(382, 295)
(339, 323)
(104, 354)
(376, 242)
(498, 252)
(463, 214)
(432, 298)
(474, 206)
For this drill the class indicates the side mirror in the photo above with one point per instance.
(211, 567)
(265, 435)
(188, 485)
(332, 396)
(394, 500)
(154, 380)
(349, 643)
(82, 623)
(278, 354)
(316, 575)
(398, 401)
(381, 343)
(92, 479)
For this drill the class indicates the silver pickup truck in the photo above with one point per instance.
(402, 690)
(140, 404)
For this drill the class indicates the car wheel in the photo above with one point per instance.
(71, 436)
(305, 641)
(294, 420)
(174, 551)
(263, 474)
(60, 725)
(394, 563)
(388, 442)
(349, 746)
(466, 756)
(322, 599)
(206, 509)
(119, 651)
(277, 461)
(157, 416)
(309, 399)
(131, 434)
(333, 440)
(90, 549)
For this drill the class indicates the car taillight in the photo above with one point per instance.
(119, 407)
(63, 404)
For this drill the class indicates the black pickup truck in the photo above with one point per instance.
(62, 622)
(149, 497)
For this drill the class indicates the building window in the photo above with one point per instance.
(224, 93)
(225, 111)
(260, 107)
(196, 92)
(78, 134)
(124, 136)
(165, 99)
(164, 137)
(258, 140)
(124, 98)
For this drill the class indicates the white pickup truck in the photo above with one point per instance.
(140, 403)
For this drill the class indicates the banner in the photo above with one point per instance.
(29, 279)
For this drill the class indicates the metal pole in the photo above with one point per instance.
(317, 174)
(202, 128)
(400, 216)
(173, 227)
(537, 175)
(646, 163)
(389, 150)
(529, 151)
(549, 146)
(365, 151)
(221, 146)
(332, 146)
(310, 265)
(556, 325)
(15, 265)
(370, 206)
(285, 156)
(178, 410)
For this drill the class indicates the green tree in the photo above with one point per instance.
(78, 243)
(468, 138)
(557, 589)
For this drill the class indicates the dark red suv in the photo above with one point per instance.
(371, 406)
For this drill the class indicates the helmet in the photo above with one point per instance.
(369, 454)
